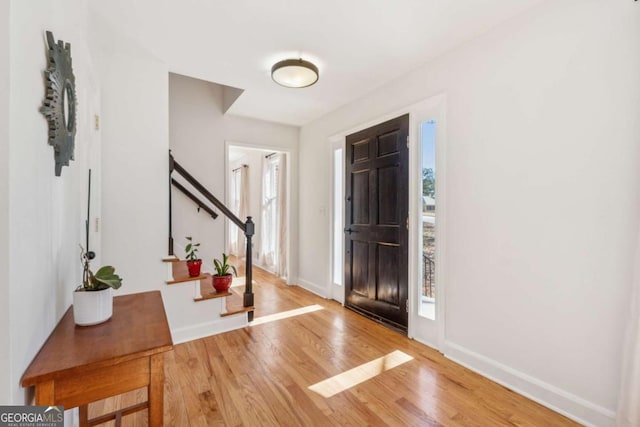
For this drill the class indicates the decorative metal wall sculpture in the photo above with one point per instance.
(59, 105)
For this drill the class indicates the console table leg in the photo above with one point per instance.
(84, 415)
(156, 390)
(45, 393)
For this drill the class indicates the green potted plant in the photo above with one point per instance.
(194, 264)
(222, 279)
(93, 299)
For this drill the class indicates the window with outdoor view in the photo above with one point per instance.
(428, 288)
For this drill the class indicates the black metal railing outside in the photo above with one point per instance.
(428, 283)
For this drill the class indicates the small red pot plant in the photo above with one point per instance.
(194, 264)
(223, 277)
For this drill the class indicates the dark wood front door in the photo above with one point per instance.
(376, 235)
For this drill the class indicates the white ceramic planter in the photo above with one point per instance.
(92, 307)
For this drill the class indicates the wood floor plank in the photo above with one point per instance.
(175, 409)
(226, 391)
(260, 375)
(189, 386)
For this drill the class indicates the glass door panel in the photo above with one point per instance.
(427, 301)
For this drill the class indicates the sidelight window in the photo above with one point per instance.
(428, 213)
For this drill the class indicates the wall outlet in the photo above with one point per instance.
(96, 121)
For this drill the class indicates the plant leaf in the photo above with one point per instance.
(105, 271)
(114, 282)
(104, 277)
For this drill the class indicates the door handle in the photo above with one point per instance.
(349, 230)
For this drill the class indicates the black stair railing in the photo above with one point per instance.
(194, 198)
(248, 227)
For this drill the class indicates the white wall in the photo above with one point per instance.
(542, 179)
(46, 212)
(198, 131)
(4, 204)
(135, 156)
(196, 134)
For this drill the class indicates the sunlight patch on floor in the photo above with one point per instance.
(359, 374)
(285, 314)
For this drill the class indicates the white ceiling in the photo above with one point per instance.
(358, 45)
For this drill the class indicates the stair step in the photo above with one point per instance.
(235, 304)
(210, 293)
(181, 273)
(240, 310)
(188, 278)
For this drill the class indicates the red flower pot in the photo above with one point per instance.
(222, 283)
(194, 267)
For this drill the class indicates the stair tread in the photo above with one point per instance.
(238, 311)
(212, 294)
(187, 278)
(207, 291)
(235, 302)
(181, 274)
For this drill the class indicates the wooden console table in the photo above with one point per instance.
(80, 365)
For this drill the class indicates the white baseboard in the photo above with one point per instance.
(287, 280)
(264, 267)
(218, 326)
(312, 287)
(427, 343)
(563, 402)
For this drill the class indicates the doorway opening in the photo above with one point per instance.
(258, 186)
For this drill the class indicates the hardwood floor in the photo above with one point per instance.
(260, 375)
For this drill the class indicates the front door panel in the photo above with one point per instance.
(376, 236)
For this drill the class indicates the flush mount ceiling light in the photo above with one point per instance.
(294, 73)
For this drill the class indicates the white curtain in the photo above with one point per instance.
(268, 214)
(239, 206)
(281, 208)
(273, 232)
(629, 401)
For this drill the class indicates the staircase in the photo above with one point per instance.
(194, 308)
(177, 273)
